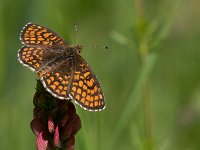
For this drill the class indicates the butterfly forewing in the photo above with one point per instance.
(33, 34)
(85, 88)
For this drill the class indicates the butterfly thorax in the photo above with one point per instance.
(55, 58)
(70, 51)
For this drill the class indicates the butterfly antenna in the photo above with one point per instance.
(76, 29)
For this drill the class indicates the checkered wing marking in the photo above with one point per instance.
(31, 57)
(85, 88)
(57, 81)
(33, 34)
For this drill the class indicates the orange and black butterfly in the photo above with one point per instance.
(63, 72)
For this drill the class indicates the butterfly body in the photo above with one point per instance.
(63, 72)
(52, 58)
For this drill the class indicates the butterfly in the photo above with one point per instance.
(61, 69)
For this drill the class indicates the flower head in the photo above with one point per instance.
(55, 121)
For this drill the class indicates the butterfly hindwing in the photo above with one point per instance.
(31, 57)
(57, 81)
(73, 78)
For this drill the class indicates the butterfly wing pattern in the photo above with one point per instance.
(33, 34)
(85, 88)
(63, 72)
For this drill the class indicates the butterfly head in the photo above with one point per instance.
(78, 48)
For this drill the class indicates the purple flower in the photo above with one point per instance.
(55, 121)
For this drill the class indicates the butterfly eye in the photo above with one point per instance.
(78, 48)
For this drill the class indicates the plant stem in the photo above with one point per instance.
(147, 100)
(144, 56)
(139, 8)
(144, 53)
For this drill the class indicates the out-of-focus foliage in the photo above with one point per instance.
(150, 74)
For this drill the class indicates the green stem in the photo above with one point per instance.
(139, 8)
(148, 110)
(144, 53)
(131, 105)
(147, 106)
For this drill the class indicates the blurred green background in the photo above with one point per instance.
(150, 74)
